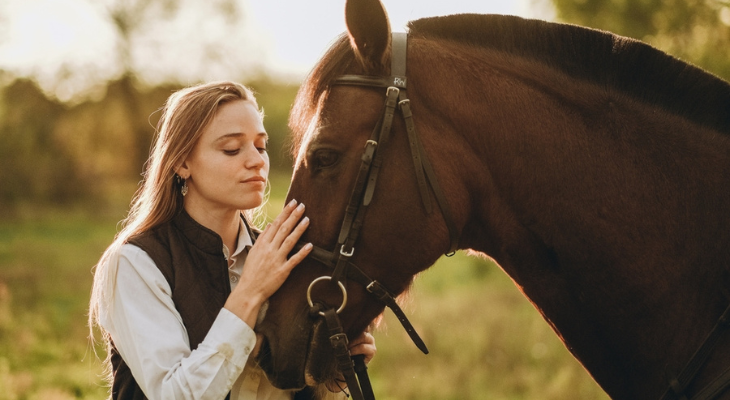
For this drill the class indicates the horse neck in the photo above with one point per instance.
(598, 206)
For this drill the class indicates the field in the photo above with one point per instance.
(486, 340)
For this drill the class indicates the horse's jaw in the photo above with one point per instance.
(298, 357)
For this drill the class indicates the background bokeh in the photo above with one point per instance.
(77, 114)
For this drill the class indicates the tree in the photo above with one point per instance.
(697, 31)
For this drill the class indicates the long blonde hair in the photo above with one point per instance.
(185, 115)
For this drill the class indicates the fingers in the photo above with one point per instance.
(300, 255)
(274, 226)
(287, 228)
(365, 345)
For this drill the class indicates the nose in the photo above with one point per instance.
(254, 158)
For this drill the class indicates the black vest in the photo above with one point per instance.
(190, 256)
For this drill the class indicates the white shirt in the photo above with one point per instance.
(149, 334)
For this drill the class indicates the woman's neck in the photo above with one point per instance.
(225, 223)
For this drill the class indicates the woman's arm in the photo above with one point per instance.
(150, 336)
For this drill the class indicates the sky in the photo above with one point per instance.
(69, 47)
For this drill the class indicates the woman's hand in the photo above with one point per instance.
(365, 345)
(267, 267)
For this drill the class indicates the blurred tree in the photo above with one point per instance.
(697, 31)
(33, 163)
(130, 17)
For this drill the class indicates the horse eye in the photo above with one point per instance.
(326, 158)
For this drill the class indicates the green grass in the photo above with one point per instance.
(45, 280)
(486, 340)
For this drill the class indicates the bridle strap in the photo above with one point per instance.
(366, 178)
(423, 165)
(338, 340)
(715, 388)
(678, 385)
(361, 369)
(423, 169)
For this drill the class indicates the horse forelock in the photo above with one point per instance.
(623, 64)
(315, 88)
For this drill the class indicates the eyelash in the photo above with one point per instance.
(261, 150)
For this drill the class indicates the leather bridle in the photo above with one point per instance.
(355, 373)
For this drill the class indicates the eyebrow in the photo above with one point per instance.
(239, 134)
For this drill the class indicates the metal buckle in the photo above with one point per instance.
(327, 278)
(345, 253)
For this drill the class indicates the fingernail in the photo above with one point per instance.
(292, 202)
(307, 246)
(305, 220)
(300, 207)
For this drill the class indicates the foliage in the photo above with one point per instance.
(697, 31)
(33, 166)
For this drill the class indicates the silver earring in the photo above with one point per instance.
(184, 188)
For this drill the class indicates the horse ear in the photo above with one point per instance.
(369, 31)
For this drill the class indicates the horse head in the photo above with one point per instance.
(331, 125)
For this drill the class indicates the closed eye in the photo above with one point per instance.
(263, 149)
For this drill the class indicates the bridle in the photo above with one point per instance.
(355, 373)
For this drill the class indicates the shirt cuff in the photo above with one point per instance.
(231, 337)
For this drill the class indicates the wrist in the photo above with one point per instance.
(244, 307)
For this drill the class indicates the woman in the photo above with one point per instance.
(178, 292)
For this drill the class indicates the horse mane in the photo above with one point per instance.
(623, 64)
(628, 65)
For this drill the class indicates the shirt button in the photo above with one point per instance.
(234, 279)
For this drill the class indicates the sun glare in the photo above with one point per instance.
(56, 42)
(70, 46)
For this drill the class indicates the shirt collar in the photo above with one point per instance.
(244, 241)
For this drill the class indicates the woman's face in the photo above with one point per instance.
(229, 165)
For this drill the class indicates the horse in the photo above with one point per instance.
(592, 168)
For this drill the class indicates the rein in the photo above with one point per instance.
(355, 372)
(678, 385)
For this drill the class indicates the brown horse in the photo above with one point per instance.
(593, 168)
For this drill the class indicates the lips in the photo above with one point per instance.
(254, 179)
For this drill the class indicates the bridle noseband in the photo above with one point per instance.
(339, 259)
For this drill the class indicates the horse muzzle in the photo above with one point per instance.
(298, 357)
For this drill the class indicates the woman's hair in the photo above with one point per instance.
(184, 117)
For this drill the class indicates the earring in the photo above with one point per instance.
(184, 188)
(183, 185)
